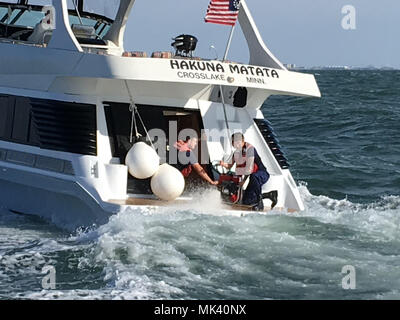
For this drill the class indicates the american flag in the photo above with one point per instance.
(223, 12)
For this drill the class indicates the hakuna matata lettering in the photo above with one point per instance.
(219, 67)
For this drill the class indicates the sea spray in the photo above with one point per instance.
(192, 254)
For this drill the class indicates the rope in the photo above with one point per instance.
(135, 111)
(144, 127)
(132, 108)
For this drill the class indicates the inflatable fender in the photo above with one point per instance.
(168, 183)
(142, 161)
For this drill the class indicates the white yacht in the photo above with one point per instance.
(69, 95)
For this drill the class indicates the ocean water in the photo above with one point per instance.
(344, 153)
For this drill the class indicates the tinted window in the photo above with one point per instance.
(21, 123)
(6, 117)
(54, 125)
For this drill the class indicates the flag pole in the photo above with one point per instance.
(229, 43)
(231, 37)
(222, 90)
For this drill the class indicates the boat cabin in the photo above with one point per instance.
(33, 22)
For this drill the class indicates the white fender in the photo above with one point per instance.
(142, 161)
(168, 183)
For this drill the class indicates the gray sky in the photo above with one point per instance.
(304, 32)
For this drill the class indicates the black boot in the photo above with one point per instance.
(273, 196)
(259, 206)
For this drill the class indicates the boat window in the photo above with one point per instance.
(22, 120)
(24, 18)
(100, 26)
(18, 19)
(13, 1)
(6, 117)
(106, 8)
(16, 123)
(17, 22)
(53, 125)
(23, 15)
(98, 14)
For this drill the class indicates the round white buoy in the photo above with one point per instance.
(168, 183)
(142, 161)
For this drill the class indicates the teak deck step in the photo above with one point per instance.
(138, 201)
(133, 201)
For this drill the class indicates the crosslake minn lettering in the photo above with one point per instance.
(208, 70)
(209, 309)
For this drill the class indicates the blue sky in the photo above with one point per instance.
(304, 32)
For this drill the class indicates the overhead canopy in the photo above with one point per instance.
(105, 8)
(31, 2)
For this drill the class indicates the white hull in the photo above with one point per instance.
(64, 116)
(63, 203)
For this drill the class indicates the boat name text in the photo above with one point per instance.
(219, 67)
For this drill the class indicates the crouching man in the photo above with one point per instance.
(248, 163)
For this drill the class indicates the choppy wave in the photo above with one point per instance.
(204, 254)
(347, 143)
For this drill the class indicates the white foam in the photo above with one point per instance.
(174, 252)
(380, 217)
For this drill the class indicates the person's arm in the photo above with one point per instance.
(200, 170)
(228, 165)
(203, 174)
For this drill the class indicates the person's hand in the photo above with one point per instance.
(223, 164)
(214, 183)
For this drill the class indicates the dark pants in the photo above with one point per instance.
(252, 194)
